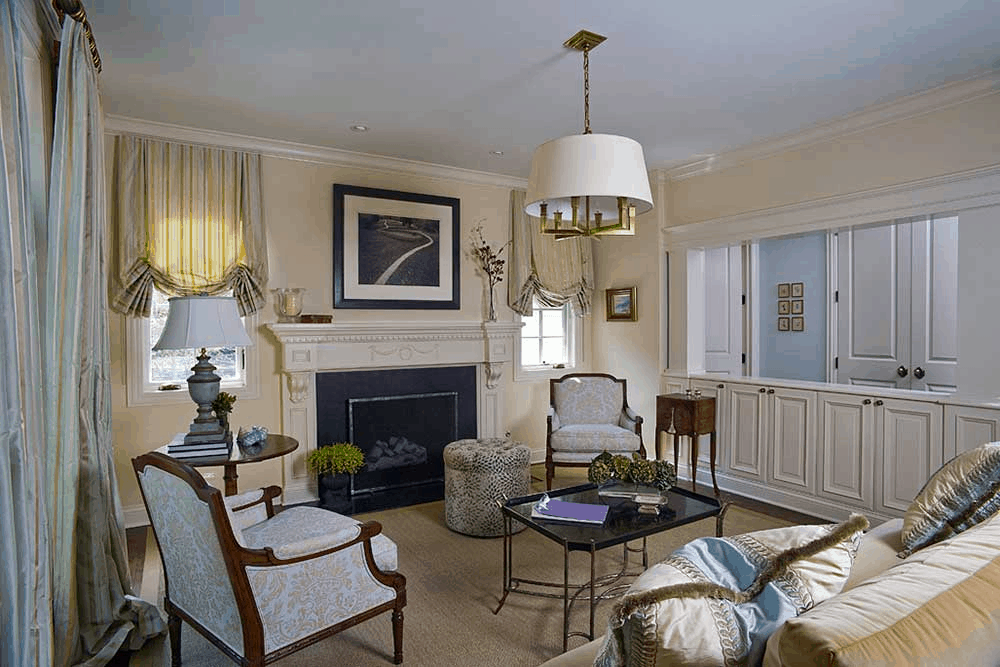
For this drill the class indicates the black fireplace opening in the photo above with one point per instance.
(401, 419)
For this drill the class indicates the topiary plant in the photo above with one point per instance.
(340, 457)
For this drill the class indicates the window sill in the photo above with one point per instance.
(540, 373)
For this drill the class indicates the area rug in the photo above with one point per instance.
(454, 582)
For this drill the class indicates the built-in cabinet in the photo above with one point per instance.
(830, 449)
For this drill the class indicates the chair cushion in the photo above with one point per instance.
(301, 530)
(594, 439)
(588, 400)
(715, 601)
(940, 606)
(962, 493)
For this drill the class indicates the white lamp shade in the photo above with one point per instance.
(202, 321)
(601, 166)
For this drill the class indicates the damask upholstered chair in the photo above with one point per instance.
(588, 414)
(261, 585)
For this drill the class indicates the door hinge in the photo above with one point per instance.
(744, 358)
(836, 363)
(836, 296)
(743, 299)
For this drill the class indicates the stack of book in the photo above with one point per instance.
(179, 450)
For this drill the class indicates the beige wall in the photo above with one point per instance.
(298, 209)
(951, 140)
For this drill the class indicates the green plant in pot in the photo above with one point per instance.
(334, 464)
(223, 406)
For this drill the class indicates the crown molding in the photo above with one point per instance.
(116, 125)
(910, 106)
(950, 193)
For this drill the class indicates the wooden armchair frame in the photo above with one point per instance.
(238, 557)
(550, 464)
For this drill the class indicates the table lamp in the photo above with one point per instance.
(203, 322)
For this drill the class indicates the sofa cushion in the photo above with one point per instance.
(877, 553)
(962, 493)
(940, 606)
(715, 601)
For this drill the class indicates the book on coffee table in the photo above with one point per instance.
(561, 510)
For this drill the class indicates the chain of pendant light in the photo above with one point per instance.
(586, 90)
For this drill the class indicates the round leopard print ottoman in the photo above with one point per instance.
(477, 473)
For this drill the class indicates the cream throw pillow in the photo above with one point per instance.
(962, 493)
(715, 601)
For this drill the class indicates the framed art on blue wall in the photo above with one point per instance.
(395, 250)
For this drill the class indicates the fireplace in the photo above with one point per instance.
(401, 419)
(310, 353)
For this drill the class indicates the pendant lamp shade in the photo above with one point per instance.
(603, 167)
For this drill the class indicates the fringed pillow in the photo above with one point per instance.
(715, 601)
(963, 492)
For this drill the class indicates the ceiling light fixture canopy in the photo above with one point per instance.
(590, 184)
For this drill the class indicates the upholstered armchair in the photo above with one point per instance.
(588, 414)
(261, 585)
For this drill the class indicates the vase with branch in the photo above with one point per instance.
(491, 263)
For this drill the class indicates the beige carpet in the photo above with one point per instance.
(453, 584)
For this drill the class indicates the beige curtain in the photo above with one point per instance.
(93, 613)
(188, 220)
(554, 272)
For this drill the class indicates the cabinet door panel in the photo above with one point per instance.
(792, 435)
(910, 449)
(966, 428)
(746, 434)
(846, 459)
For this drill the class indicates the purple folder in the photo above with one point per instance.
(561, 510)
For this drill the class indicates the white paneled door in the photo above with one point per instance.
(897, 308)
(724, 311)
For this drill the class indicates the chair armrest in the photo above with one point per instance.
(629, 419)
(247, 500)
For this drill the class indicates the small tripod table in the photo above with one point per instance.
(692, 416)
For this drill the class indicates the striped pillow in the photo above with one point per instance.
(964, 492)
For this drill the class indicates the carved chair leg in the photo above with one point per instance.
(174, 627)
(397, 635)
(550, 472)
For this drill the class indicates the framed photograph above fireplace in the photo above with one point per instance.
(396, 250)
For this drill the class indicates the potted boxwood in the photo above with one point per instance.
(335, 463)
(223, 406)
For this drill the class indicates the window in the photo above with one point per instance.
(548, 345)
(150, 371)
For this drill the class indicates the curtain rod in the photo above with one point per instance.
(74, 9)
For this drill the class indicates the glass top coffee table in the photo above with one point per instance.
(624, 523)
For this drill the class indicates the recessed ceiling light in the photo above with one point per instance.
(359, 128)
(497, 153)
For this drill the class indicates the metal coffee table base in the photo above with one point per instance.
(513, 584)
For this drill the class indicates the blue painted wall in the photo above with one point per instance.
(793, 355)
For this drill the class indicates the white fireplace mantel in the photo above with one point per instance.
(307, 349)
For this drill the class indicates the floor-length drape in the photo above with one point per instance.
(25, 584)
(93, 613)
(554, 272)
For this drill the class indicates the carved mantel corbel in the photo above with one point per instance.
(298, 385)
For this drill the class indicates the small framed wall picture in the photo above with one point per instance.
(621, 305)
(797, 307)
(797, 290)
(783, 324)
(783, 307)
(798, 324)
(784, 290)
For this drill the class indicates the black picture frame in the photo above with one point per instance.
(395, 250)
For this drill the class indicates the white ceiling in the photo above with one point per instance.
(447, 81)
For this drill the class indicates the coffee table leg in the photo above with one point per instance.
(566, 597)
(593, 553)
(508, 556)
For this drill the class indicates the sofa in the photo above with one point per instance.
(940, 605)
